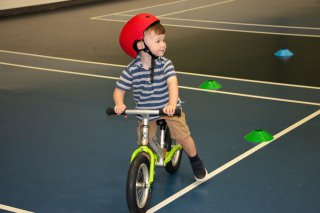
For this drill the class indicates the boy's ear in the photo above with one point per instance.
(140, 45)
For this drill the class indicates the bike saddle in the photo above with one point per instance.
(161, 122)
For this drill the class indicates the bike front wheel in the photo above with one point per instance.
(137, 191)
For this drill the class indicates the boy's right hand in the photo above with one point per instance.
(119, 108)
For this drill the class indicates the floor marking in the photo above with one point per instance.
(116, 20)
(249, 80)
(229, 30)
(143, 8)
(251, 96)
(231, 163)
(243, 31)
(181, 87)
(225, 29)
(226, 23)
(63, 59)
(240, 23)
(12, 209)
(59, 71)
(179, 72)
(196, 8)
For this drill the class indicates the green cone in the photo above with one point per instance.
(258, 136)
(210, 85)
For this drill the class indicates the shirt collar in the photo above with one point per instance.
(138, 62)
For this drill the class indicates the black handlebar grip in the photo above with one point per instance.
(110, 111)
(176, 113)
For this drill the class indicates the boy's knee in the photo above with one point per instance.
(184, 140)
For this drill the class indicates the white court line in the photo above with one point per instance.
(62, 59)
(242, 31)
(181, 87)
(112, 20)
(231, 163)
(218, 22)
(196, 8)
(179, 72)
(251, 96)
(225, 29)
(142, 8)
(12, 209)
(223, 22)
(59, 71)
(248, 80)
(240, 23)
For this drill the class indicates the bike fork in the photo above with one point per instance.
(153, 159)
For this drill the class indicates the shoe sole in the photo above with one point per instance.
(202, 179)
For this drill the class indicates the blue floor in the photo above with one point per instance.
(60, 153)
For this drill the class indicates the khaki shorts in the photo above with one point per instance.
(177, 125)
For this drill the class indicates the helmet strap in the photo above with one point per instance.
(153, 60)
(147, 50)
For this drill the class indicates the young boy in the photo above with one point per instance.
(153, 81)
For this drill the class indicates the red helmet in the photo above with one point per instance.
(133, 31)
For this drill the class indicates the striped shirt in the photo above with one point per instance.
(147, 95)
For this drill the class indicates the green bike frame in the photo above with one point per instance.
(154, 158)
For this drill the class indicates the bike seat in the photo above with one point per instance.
(161, 122)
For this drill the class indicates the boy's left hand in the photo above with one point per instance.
(169, 110)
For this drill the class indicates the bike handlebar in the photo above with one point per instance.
(110, 111)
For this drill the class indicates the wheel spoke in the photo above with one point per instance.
(140, 191)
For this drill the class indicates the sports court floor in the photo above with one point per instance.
(59, 152)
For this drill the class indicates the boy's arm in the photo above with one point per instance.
(118, 98)
(172, 83)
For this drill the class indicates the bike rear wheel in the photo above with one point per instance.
(137, 191)
(173, 165)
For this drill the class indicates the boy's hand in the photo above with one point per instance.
(119, 108)
(169, 110)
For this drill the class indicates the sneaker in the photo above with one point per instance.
(199, 171)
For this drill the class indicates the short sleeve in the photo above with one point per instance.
(125, 81)
(169, 69)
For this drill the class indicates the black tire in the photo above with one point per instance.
(173, 165)
(137, 192)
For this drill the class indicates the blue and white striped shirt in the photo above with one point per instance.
(147, 95)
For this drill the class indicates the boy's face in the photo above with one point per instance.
(156, 43)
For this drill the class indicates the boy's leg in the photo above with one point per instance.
(188, 145)
(197, 165)
(180, 132)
